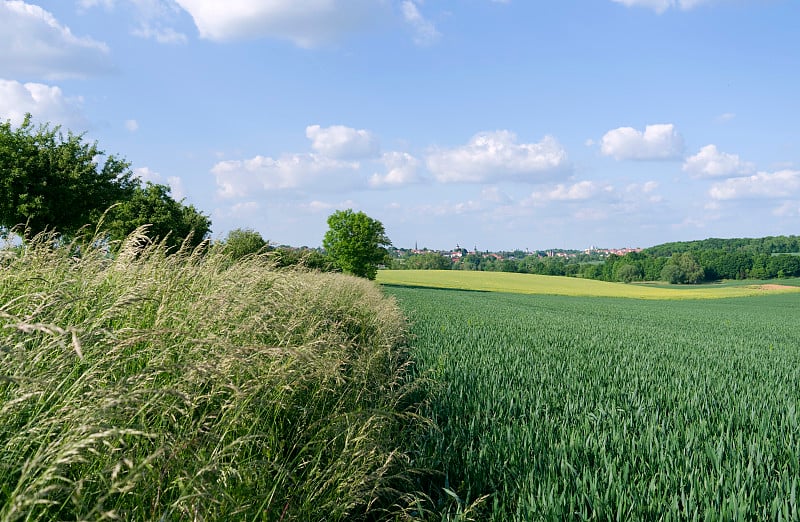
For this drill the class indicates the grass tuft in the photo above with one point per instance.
(149, 385)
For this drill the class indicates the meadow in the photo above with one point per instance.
(552, 407)
(557, 285)
(148, 385)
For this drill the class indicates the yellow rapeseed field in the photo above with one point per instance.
(554, 285)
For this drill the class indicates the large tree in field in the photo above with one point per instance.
(356, 243)
(49, 181)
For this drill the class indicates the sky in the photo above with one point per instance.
(496, 124)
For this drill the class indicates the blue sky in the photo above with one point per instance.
(497, 124)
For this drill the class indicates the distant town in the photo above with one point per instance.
(458, 253)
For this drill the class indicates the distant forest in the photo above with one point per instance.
(686, 262)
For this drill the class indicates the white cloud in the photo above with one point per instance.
(781, 184)
(710, 162)
(146, 174)
(306, 23)
(164, 35)
(497, 156)
(636, 192)
(659, 6)
(177, 188)
(34, 44)
(242, 178)
(175, 183)
(725, 117)
(578, 191)
(657, 142)
(92, 3)
(402, 169)
(317, 207)
(447, 209)
(132, 125)
(45, 103)
(152, 16)
(425, 32)
(342, 142)
(563, 193)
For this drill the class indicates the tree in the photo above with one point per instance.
(427, 261)
(356, 243)
(243, 242)
(52, 182)
(627, 272)
(682, 268)
(168, 220)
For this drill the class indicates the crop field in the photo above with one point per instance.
(592, 408)
(552, 285)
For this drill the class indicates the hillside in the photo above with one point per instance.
(762, 245)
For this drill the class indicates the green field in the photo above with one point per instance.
(553, 285)
(592, 408)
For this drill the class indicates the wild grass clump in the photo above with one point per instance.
(156, 386)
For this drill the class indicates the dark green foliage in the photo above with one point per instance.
(49, 181)
(356, 243)
(424, 261)
(682, 268)
(307, 258)
(761, 245)
(168, 220)
(627, 273)
(243, 242)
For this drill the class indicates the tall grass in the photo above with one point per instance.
(148, 386)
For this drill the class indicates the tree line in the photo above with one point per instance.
(679, 263)
(58, 183)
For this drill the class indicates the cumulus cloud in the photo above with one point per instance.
(164, 35)
(659, 6)
(402, 169)
(175, 183)
(342, 142)
(725, 117)
(153, 18)
(578, 191)
(306, 23)
(45, 102)
(657, 142)
(425, 32)
(710, 162)
(646, 191)
(146, 174)
(781, 184)
(242, 178)
(178, 190)
(34, 44)
(494, 156)
(569, 193)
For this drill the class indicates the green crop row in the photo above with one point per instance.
(598, 408)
